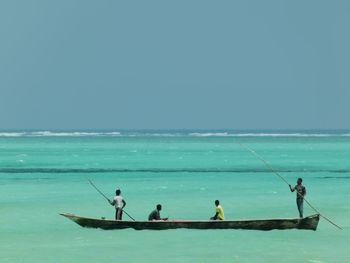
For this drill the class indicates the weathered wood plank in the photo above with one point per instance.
(307, 223)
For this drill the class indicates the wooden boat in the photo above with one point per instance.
(307, 223)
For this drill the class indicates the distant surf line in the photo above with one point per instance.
(168, 134)
(163, 170)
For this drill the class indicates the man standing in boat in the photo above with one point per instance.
(301, 192)
(155, 214)
(119, 204)
(219, 212)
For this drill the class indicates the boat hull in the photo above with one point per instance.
(307, 223)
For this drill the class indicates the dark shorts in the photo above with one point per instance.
(118, 214)
(300, 204)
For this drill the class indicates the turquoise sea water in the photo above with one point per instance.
(45, 173)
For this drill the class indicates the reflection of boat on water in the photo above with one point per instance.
(307, 223)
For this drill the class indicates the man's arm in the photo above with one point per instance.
(111, 202)
(291, 189)
(215, 217)
(124, 204)
(163, 219)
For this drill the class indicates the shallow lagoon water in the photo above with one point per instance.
(43, 176)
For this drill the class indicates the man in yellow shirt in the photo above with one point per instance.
(219, 212)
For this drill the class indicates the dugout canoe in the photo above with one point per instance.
(306, 223)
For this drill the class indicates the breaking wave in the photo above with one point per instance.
(180, 133)
(208, 134)
(225, 134)
(12, 134)
(57, 134)
(170, 170)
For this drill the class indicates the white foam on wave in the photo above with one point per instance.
(58, 134)
(283, 135)
(225, 134)
(167, 134)
(12, 134)
(292, 135)
(156, 134)
(110, 133)
(209, 134)
(71, 134)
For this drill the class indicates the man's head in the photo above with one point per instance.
(217, 202)
(117, 192)
(159, 207)
(299, 181)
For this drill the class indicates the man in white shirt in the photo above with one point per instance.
(301, 192)
(119, 204)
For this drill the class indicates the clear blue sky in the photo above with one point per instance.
(174, 64)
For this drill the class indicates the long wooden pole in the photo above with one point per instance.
(283, 179)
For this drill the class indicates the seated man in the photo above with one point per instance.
(155, 214)
(219, 215)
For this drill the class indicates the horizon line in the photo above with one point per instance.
(171, 129)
